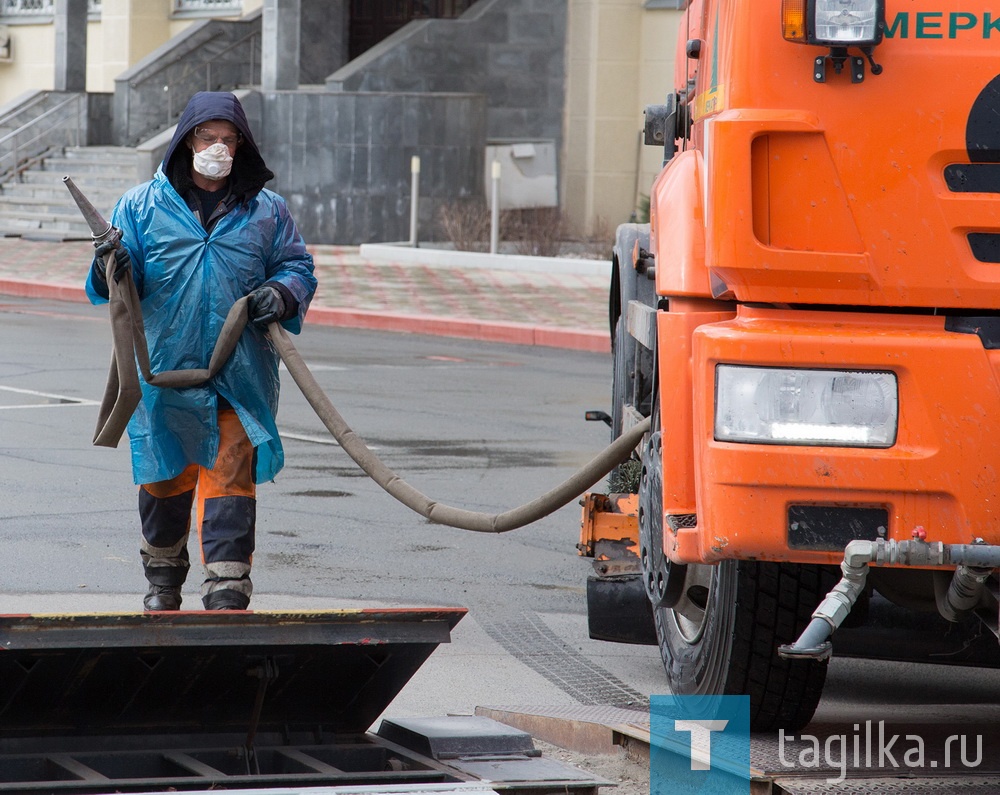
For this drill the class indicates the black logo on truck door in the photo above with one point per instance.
(982, 174)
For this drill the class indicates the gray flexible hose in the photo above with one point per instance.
(430, 509)
(122, 395)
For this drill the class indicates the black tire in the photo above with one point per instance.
(723, 635)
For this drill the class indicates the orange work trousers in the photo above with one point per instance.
(226, 520)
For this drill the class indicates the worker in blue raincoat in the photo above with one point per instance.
(201, 234)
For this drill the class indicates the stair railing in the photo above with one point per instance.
(61, 125)
(252, 40)
(152, 94)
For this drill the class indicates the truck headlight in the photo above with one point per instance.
(772, 405)
(838, 23)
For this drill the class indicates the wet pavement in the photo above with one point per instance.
(509, 303)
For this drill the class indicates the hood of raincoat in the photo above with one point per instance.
(249, 173)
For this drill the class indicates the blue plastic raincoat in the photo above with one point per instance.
(188, 278)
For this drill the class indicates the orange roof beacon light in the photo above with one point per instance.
(837, 24)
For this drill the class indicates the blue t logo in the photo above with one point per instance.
(699, 745)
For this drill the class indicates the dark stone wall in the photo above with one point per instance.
(323, 39)
(342, 160)
(511, 51)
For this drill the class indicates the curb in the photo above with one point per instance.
(404, 254)
(24, 288)
(483, 331)
(465, 328)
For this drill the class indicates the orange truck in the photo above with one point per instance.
(811, 322)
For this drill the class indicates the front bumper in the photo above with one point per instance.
(941, 474)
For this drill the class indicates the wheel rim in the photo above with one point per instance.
(690, 613)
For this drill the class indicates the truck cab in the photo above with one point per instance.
(810, 322)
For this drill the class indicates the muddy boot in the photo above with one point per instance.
(165, 570)
(226, 599)
(227, 585)
(162, 597)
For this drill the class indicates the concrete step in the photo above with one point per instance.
(47, 235)
(118, 154)
(46, 212)
(58, 193)
(16, 226)
(60, 167)
(113, 164)
(91, 151)
(95, 180)
(62, 219)
(38, 203)
(88, 155)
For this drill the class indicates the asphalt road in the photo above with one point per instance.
(481, 427)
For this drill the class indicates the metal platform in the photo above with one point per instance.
(776, 767)
(247, 701)
(923, 758)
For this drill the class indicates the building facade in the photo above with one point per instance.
(575, 72)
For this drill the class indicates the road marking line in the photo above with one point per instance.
(306, 437)
(317, 368)
(63, 400)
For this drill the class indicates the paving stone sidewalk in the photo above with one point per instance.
(349, 282)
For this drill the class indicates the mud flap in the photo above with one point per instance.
(618, 610)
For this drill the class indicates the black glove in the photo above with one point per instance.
(265, 305)
(122, 261)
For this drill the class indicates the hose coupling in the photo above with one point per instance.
(974, 564)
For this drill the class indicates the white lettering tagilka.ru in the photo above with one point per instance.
(866, 749)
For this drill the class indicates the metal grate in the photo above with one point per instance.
(963, 785)
(685, 520)
(528, 639)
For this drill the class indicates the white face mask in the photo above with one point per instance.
(214, 162)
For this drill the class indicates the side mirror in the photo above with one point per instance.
(664, 125)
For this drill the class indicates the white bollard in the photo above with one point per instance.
(495, 209)
(414, 197)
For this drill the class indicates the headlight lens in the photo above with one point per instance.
(846, 21)
(771, 405)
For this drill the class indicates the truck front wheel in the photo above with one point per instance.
(722, 636)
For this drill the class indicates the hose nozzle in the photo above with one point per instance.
(101, 231)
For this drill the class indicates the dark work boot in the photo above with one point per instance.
(162, 597)
(226, 599)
